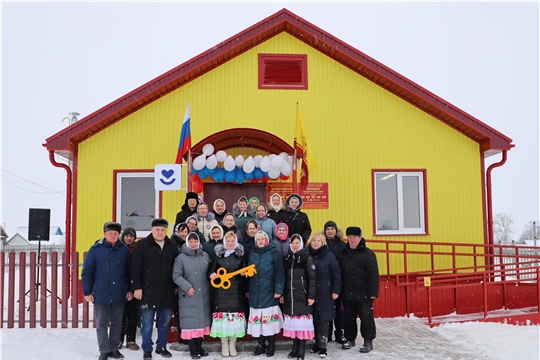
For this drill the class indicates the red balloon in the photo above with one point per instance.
(265, 179)
(196, 177)
(234, 182)
(283, 177)
(224, 181)
(198, 186)
(254, 180)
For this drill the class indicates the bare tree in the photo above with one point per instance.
(503, 228)
(528, 232)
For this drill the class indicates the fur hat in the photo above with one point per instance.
(160, 222)
(112, 226)
(353, 231)
(192, 195)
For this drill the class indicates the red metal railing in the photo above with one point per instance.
(55, 299)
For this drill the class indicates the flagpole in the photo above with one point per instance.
(189, 177)
(294, 175)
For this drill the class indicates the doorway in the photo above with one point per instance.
(230, 193)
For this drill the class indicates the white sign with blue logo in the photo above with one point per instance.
(168, 177)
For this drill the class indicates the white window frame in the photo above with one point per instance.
(121, 175)
(402, 230)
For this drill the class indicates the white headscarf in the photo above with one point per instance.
(227, 251)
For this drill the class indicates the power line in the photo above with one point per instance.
(31, 182)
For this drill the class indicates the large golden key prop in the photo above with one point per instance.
(224, 276)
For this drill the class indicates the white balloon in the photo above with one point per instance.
(277, 162)
(211, 162)
(199, 162)
(273, 173)
(229, 163)
(249, 165)
(257, 160)
(208, 149)
(239, 161)
(271, 157)
(289, 160)
(265, 164)
(284, 155)
(221, 156)
(286, 169)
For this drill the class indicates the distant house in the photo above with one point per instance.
(19, 243)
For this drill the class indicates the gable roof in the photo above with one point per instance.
(491, 141)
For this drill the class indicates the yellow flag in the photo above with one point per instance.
(303, 150)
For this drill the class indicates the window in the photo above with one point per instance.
(399, 202)
(282, 71)
(137, 201)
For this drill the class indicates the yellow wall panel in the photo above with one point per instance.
(353, 125)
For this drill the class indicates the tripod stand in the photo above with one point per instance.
(38, 281)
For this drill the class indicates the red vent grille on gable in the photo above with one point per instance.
(282, 71)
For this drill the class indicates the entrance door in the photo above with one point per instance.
(230, 193)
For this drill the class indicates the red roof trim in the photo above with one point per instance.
(65, 142)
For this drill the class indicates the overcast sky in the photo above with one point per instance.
(64, 57)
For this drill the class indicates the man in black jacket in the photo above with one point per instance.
(360, 287)
(152, 284)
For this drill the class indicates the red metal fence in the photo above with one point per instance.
(47, 291)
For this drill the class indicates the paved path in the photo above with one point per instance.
(396, 339)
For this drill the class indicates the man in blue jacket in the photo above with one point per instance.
(105, 281)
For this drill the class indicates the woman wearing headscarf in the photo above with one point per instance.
(205, 220)
(243, 212)
(229, 224)
(265, 289)
(276, 210)
(282, 239)
(254, 201)
(190, 273)
(216, 237)
(299, 297)
(265, 223)
(219, 210)
(296, 219)
(228, 318)
(328, 290)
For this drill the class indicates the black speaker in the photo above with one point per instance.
(39, 223)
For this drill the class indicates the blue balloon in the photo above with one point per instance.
(193, 171)
(257, 173)
(218, 175)
(240, 177)
(210, 171)
(249, 176)
(230, 176)
(202, 173)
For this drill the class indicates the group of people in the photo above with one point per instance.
(303, 285)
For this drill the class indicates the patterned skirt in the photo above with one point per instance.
(265, 322)
(299, 326)
(228, 324)
(188, 334)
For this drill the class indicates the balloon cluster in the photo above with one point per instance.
(223, 168)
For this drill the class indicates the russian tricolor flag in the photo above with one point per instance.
(185, 139)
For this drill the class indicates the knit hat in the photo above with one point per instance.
(160, 222)
(112, 226)
(129, 231)
(354, 231)
(330, 223)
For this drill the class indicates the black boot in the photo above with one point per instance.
(200, 350)
(261, 347)
(367, 347)
(193, 349)
(271, 345)
(301, 350)
(339, 337)
(292, 354)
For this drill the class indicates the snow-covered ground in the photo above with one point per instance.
(399, 338)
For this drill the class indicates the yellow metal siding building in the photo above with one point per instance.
(355, 127)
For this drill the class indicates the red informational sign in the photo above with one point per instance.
(314, 197)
